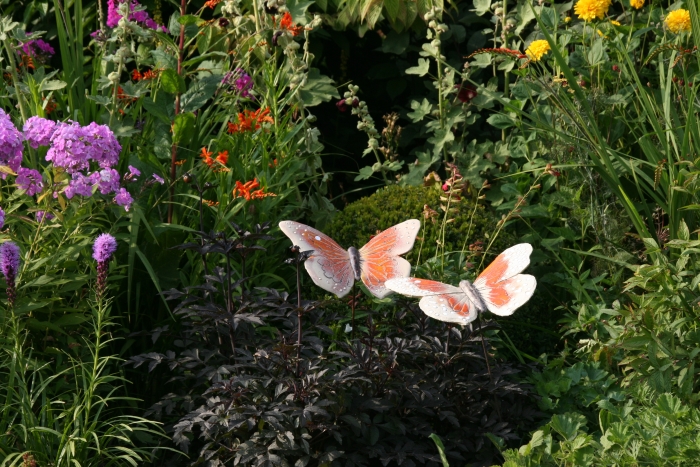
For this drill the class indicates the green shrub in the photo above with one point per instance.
(466, 226)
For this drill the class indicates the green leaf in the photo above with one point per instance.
(441, 449)
(419, 168)
(183, 129)
(683, 231)
(188, 19)
(420, 110)
(392, 8)
(171, 82)
(163, 60)
(441, 138)
(365, 173)
(420, 70)
(156, 109)
(568, 424)
(596, 55)
(52, 85)
(297, 8)
(395, 43)
(199, 93)
(318, 88)
(481, 7)
(476, 165)
(501, 121)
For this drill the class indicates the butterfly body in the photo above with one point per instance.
(355, 260)
(500, 288)
(473, 295)
(335, 269)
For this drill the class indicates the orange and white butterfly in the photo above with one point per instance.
(500, 288)
(334, 269)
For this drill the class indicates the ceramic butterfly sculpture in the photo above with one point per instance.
(334, 269)
(500, 288)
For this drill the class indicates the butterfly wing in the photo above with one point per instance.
(440, 301)
(329, 265)
(502, 286)
(380, 260)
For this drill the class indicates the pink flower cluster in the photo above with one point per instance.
(140, 16)
(87, 153)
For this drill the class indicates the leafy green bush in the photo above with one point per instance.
(467, 225)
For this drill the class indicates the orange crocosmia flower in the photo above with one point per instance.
(222, 157)
(212, 3)
(250, 121)
(50, 106)
(243, 190)
(180, 161)
(136, 75)
(150, 74)
(287, 23)
(260, 194)
(206, 157)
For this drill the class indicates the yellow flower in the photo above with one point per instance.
(637, 4)
(588, 10)
(537, 49)
(614, 23)
(600, 33)
(678, 21)
(567, 19)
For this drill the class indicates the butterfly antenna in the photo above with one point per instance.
(483, 346)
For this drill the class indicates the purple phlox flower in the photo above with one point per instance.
(29, 181)
(105, 148)
(37, 49)
(124, 199)
(138, 16)
(134, 171)
(42, 216)
(240, 82)
(80, 185)
(38, 131)
(99, 35)
(158, 178)
(9, 260)
(2, 218)
(68, 148)
(108, 181)
(10, 144)
(73, 146)
(104, 247)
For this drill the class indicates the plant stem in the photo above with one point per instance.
(299, 313)
(256, 13)
(115, 92)
(229, 309)
(173, 152)
(483, 346)
(201, 229)
(352, 307)
(15, 79)
(447, 342)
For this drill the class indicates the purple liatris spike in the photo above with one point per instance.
(9, 266)
(102, 250)
(29, 181)
(104, 247)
